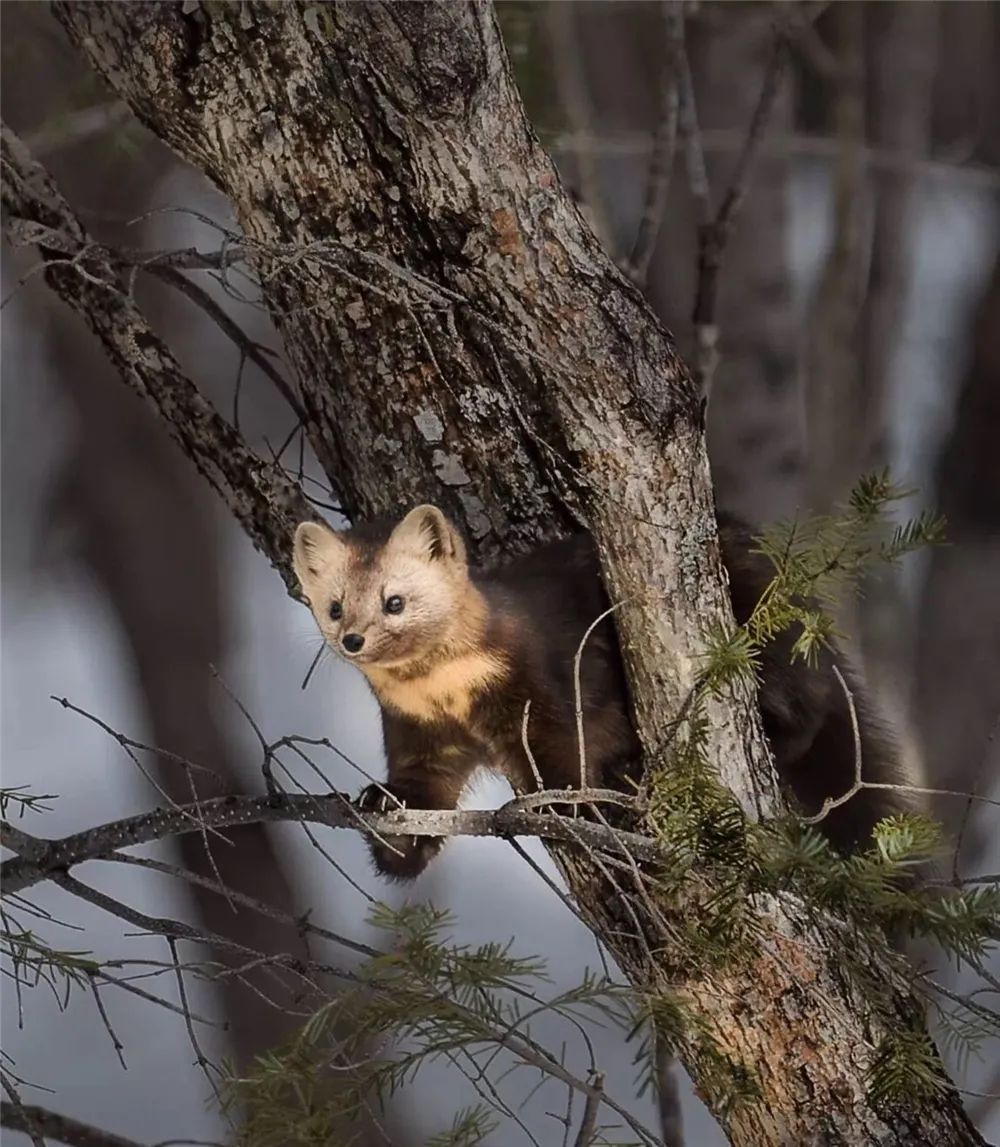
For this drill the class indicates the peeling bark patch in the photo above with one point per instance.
(356, 313)
(430, 426)
(384, 445)
(475, 514)
(449, 469)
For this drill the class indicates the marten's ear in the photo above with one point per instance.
(426, 533)
(316, 549)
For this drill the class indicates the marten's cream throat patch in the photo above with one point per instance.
(446, 690)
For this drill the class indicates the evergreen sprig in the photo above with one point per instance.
(426, 998)
(906, 1069)
(470, 1126)
(816, 559)
(31, 962)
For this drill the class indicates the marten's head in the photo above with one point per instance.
(389, 600)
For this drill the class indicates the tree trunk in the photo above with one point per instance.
(617, 52)
(504, 368)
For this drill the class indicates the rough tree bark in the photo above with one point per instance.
(614, 57)
(510, 373)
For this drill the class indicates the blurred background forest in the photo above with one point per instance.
(859, 318)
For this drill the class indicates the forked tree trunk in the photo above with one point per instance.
(508, 372)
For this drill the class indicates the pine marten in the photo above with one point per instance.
(453, 653)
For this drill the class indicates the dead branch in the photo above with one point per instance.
(84, 276)
(256, 353)
(713, 233)
(661, 163)
(38, 1121)
(39, 859)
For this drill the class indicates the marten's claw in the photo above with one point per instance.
(378, 798)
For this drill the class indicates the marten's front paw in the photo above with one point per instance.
(380, 798)
(403, 857)
(397, 857)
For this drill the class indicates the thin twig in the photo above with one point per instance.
(527, 748)
(577, 692)
(588, 1124)
(116, 1043)
(200, 1058)
(714, 233)
(661, 162)
(300, 923)
(248, 348)
(830, 803)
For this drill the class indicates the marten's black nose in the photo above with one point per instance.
(352, 642)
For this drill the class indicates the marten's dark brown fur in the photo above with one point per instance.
(453, 654)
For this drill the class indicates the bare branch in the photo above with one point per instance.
(690, 132)
(304, 925)
(175, 930)
(84, 276)
(664, 145)
(830, 803)
(17, 1109)
(588, 1125)
(578, 691)
(334, 810)
(713, 234)
(256, 353)
(38, 1122)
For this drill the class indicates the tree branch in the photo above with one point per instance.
(661, 164)
(713, 233)
(40, 859)
(83, 274)
(257, 354)
(34, 1120)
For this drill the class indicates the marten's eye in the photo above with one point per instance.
(336, 611)
(394, 604)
